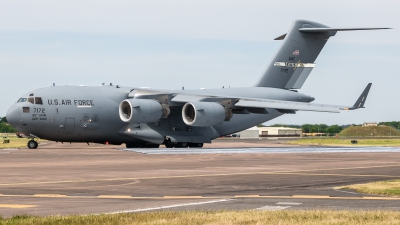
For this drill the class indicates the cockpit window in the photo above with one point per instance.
(31, 100)
(22, 100)
(38, 101)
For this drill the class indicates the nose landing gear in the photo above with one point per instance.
(32, 144)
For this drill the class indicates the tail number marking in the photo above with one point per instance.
(284, 70)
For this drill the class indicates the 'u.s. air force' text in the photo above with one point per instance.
(69, 102)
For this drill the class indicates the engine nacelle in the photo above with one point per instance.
(201, 114)
(142, 110)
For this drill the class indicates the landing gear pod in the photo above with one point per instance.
(142, 110)
(201, 114)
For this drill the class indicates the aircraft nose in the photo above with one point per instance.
(14, 115)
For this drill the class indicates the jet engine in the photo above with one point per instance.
(201, 114)
(142, 110)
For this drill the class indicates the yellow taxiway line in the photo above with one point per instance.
(294, 172)
(16, 206)
(205, 197)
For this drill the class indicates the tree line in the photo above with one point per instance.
(314, 128)
(5, 127)
(394, 124)
(333, 129)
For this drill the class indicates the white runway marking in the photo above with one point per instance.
(273, 208)
(260, 150)
(289, 203)
(171, 206)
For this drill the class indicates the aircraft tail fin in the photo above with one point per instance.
(295, 59)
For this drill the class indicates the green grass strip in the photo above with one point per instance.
(345, 142)
(387, 188)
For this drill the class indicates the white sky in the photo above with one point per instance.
(196, 44)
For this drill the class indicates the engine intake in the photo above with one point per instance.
(203, 114)
(142, 110)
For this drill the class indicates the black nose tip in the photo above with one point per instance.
(14, 115)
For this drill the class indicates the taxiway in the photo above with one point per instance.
(81, 179)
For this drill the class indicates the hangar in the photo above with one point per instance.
(280, 132)
(256, 132)
(252, 132)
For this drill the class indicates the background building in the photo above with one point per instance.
(256, 132)
(280, 132)
(250, 133)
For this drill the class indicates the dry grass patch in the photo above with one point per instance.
(389, 188)
(221, 217)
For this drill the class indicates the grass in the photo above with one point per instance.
(328, 141)
(15, 142)
(221, 217)
(389, 188)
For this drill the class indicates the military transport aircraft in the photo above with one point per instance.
(142, 117)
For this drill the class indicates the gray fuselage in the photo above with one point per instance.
(90, 114)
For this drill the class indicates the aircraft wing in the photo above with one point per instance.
(286, 105)
(278, 104)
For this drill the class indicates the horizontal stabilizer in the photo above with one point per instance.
(314, 30)
(281, 37)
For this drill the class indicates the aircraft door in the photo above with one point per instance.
(69, 125)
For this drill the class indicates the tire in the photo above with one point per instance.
(32, 144)
(169, 145)
(182, 145)
(196, 145)
(151, 146)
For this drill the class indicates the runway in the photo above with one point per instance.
(81, 179)
(279, 150)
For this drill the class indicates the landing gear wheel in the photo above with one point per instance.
(196, 145)
(32, 144)
(169, 145)
(182, 145)
(152, 146)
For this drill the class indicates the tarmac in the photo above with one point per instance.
(226, 175)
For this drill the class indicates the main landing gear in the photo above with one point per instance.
(167, 144)
(183, 145)
(32, 144)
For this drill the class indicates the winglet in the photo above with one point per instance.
(361, 100)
